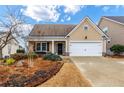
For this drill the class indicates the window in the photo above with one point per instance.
(38, 46)
(85, 28)
(47, 46)
(105, 29)
(44, 46)
(41, 47)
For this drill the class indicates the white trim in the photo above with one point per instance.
(53, 46)
(85, 41)
(42, 46)
(36, 47)
(113, 20)
(66, 45)
(45, 37)
(38, 40)
(75, 28)
(98, 30)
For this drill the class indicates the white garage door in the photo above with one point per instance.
(85, 49)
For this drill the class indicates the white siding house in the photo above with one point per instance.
(10, 48)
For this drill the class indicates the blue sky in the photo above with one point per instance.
(65, 14)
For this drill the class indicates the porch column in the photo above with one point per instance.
(52, 46)
(66, 45)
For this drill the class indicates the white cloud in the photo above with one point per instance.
(69, 18)
(42, 13)
(25, 29)
(62, 20)
(50, 12)
(105, 8)
(66, 18)
(72, 8)
(119, 6)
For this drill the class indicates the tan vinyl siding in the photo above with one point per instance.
(79, 34)
(115, 32)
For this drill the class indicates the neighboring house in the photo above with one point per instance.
(113, 26)
(11, 47)
(83, 39)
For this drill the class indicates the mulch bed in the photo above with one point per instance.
(42, 70)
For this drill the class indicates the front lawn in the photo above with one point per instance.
(23, 76)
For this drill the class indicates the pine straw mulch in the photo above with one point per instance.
(42, 70)
(68, 76)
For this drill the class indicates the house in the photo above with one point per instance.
(83, 39)
(113, 26)
(11, 47)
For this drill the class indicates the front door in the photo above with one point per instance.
(60, 45)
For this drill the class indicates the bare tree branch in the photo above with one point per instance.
(11, 24)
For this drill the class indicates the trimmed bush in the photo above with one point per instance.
(32, 55)
(20, 51)
(10, 61)
(19, 56)
(52, 57)
(117, 49)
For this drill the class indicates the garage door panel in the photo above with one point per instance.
(85, 49)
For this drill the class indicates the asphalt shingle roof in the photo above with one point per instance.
(51, 29)
(116, 18)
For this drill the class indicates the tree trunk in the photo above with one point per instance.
(1, 55)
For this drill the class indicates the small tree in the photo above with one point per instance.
(117, 49)
(10, 23)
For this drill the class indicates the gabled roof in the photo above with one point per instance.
(93, 24)
(117, 19)
(51, 29)
(60, 29)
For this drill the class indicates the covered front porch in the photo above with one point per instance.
(42, 47)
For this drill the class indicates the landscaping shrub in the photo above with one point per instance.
(10, 61)
(18, 56)
(52, 57)
(32, 55)
(20, 51)
(117, 49)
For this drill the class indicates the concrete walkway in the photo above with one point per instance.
(102, 72)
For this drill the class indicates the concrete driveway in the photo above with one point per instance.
(101, 71)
